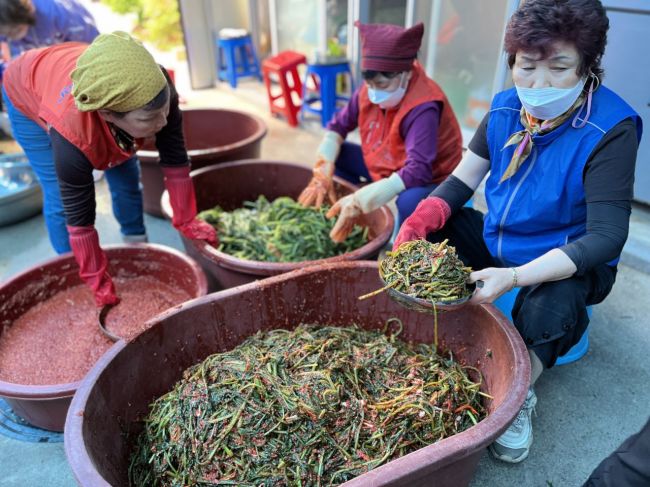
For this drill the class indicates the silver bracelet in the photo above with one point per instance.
(514, 278)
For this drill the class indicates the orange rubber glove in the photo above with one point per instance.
(321, 185)
(351, 208)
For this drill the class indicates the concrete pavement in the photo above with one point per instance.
(584, 410)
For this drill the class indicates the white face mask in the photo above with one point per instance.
(548, 103)
(388, 99)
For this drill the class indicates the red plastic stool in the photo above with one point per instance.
(284, 67)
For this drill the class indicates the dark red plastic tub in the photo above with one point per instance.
(229, 185)
(46, 406)
(114, 396)
(211, 136)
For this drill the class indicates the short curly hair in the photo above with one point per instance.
(16, 12)
(538, 23)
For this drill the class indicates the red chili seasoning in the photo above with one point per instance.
(58, 340)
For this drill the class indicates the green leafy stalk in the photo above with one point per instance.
(425, 270)
(315, 406)
(281, 231)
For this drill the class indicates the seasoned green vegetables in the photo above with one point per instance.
(281, 231)
(424, 270)
(315, 406)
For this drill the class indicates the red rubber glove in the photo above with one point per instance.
(183, 201)
(92, 264)
(430, 216)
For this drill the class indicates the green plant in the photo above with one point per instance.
(162, 24)
(158, 21)
(126, 7)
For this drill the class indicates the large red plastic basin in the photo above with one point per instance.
(229, 185)
(104, 415)
(211, 136)
(46, 406)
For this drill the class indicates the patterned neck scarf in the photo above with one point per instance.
(524, 138)
(125, 141)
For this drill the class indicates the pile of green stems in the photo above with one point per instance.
(425, 270)
(281, 231)
(315, 406)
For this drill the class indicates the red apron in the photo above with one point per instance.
(38, 84)
(383, 147)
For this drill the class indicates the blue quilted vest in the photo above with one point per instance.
(542, 206)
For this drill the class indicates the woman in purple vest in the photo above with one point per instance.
(560, 149)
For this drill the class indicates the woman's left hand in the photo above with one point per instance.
(496, 281)
(353, 206)
(199, 230)
(349, 214)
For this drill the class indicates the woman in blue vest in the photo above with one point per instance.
(560, 149)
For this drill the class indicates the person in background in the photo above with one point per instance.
(627, 466)
(78, 107)
(30, 24)
(560, 149)
(410, 138)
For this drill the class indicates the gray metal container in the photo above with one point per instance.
(20, 194)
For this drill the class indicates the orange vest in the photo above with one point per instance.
(383, 147)
(38, 84)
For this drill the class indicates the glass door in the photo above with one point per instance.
(387, 12)
(337, 28)
(298, 25)
(463, 52)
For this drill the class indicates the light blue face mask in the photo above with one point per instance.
(387, 99)
(548, 103)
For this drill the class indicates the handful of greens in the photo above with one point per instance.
(281, 231)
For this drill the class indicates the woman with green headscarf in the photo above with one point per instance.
(76, 107)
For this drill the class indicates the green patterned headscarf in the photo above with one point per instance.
(116, 73)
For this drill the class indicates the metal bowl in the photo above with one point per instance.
(20, 194)
(424, 306)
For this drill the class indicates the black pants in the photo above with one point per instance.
(550, 317)
(627, 466)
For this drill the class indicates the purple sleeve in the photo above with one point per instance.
(347, 119)
(419, 129)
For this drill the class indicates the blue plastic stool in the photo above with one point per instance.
(507, 301)
(236, 58)
(325, 93)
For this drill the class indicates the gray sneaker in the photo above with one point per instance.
(513, 445)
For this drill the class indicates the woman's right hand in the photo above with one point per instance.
(93, 264)
(429, 216)
(320, 187)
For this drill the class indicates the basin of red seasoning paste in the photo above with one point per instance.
(59, 340)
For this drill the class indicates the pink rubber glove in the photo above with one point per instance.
(429, 216)
(183, 201)
(92, 264)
